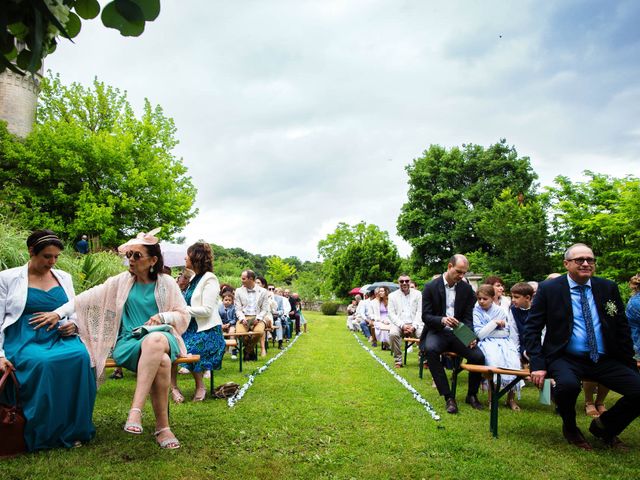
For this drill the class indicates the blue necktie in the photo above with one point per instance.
(588, 323)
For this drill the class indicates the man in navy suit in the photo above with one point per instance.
(587, 336)
(446, 301)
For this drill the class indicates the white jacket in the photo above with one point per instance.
(205, 302)
(415, 308)
(14, 283)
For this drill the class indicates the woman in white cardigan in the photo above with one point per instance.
(204, 334)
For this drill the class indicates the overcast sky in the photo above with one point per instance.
(293, 116)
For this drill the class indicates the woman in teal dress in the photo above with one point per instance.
(108, 319)
(57, 383)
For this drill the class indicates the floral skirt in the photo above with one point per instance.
(210, 345)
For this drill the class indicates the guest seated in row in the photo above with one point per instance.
(252, 306)
(500, 299)
(405, 315)
(38, 342)
(380, 313)
(227, 312)
(110, 316)
(521, 296)
(498, 339)
(204, 334)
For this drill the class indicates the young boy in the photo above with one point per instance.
(227, 312)
(521, 295)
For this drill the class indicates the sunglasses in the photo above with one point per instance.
(404, 281)
(271, 289)
(581, 260)
(135, 255)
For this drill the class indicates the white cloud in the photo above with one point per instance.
(294, 116)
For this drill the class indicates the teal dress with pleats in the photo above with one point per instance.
(57, 383)
(140, 306)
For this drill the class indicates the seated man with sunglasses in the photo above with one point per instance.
(587, 336)
(405, 314)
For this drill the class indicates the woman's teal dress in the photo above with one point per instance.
(57, 383)
(139, 307)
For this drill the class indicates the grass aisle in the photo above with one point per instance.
(326, 409)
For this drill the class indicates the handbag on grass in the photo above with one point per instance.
(12, 420)
(143, 330)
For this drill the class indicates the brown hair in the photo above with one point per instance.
(154, 251)
(634, 283)
(492, 280)
(41, 239)
(522, 288)
(487, 290)
(228, 293)
(201, 257)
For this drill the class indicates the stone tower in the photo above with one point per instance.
(18, 99)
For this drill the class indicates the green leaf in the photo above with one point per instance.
(150, 8)
(111, 18)
(18, 29)
(4, 64)
(73, 25)
(87, 9)
(129, 10)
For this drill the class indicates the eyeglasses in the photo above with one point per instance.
(581, 260)
(404, 281)
(135, 255)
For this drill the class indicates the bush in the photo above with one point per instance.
(329, 308)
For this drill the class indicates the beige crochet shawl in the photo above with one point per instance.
(99, 311)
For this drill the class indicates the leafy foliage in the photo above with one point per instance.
(451, 191)
(90, 166)
(278, 271)
(329, 308)
(516, 230)
(603, 212)
(358, 254)
(29, 29)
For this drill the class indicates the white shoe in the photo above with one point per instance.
(184, 371)
(410, 349)
(207, 374)
(234, 357)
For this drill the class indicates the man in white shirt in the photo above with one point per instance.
(252, 305)
(405, 314)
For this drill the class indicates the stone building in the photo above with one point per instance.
(18, 99)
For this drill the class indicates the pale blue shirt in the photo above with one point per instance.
(578, 344)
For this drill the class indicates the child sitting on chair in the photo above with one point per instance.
(498, 339)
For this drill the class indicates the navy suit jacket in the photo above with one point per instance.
(552, 308)
(434, 306)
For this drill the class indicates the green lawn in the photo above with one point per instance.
(326, 409)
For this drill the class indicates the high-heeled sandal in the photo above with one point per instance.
(168, 444)
(591, 410)
(134, 428)
(200, 394)
(176, 395)
(600, 408)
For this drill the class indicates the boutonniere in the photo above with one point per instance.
(611, 308)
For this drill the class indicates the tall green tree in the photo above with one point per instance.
(357, 254)
(516, 231)
(279, 271)
(603, 212)
(450, 191)
(91, 166)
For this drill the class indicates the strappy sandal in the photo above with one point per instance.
(134, 428)
(168, 444)
(600, 408)
(200, 394)
(176, 395)
(591, 410)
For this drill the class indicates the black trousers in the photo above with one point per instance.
(445, 341)
(569, 370)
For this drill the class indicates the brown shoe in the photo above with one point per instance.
(452, 406)
(597, 430)
(474, 402)
(576, 438)
(398, 365)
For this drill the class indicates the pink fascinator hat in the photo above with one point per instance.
(142, 238)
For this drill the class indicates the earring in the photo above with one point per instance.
(151, 269)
